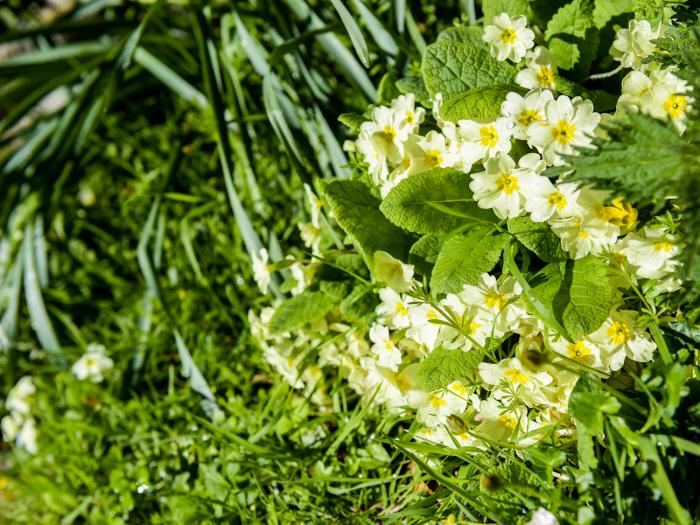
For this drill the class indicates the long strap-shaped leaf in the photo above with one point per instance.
(358, 41)
(335, 48)
(35, 302)
(208, 57)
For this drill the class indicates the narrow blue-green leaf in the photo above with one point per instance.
(337, 157)
(8, 325)
(335, 48)
(35, 302)
(196, 379)
(379, 33)
(51, 55)
(42, 266)
(415, 33)
(400, 13)
(358, 41)
(277, 120)
(255, 52)
(167, 76)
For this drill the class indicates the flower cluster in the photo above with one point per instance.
(524, 372)
(19, 424)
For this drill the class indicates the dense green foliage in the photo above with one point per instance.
(174, 145)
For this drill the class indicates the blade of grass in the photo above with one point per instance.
(379, 33)
(358, 41)
(35, 302)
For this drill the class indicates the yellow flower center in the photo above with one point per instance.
(517, 376)
(401, 309)
(402, 382)
(557, 199)
(90, 362)
(388, 345)
(662, 246)
(564, 132)
(390, 131)
(619, 332)
(545, 76)
(583, 235)
(410, 119)
(507, 183)
(434, 157)
(460, 390)
(437, 402)
(508, 36)
(578, 351)
(528, 116)
(496, 300)
(508, 421)
(489, 136)
(675, 105)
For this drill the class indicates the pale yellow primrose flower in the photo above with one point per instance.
(93, 364)
(523, 112)
(634, 43)
(540, 70)
(569, 122)
(502, 186)
(619, 337)
(508, 37)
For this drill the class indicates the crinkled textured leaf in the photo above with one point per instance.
(435, 201)
(451, 68)
(579, 294)
(586, 295)
(604, 10)
(589, 401)
(481, 104)
(359, 305)
(465, 257)
(512, 7)
(572, 19)
(471, 35)
(538, 238)
(299, 310)
(566, 53)
(354, 208)
(443, 366)
(424, 252)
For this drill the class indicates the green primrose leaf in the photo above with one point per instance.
(443, 366)
(416, 86)
(481, 103)
(464, 257)
(538, 238)
(471, 35)
(425, 251)
(589, 402)
(587, 293)
(512, 7)
(578, 293)
(572, 19)
(301, 309)
(451, 68)
(604, 10)
(355, 208)
(435, 201)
